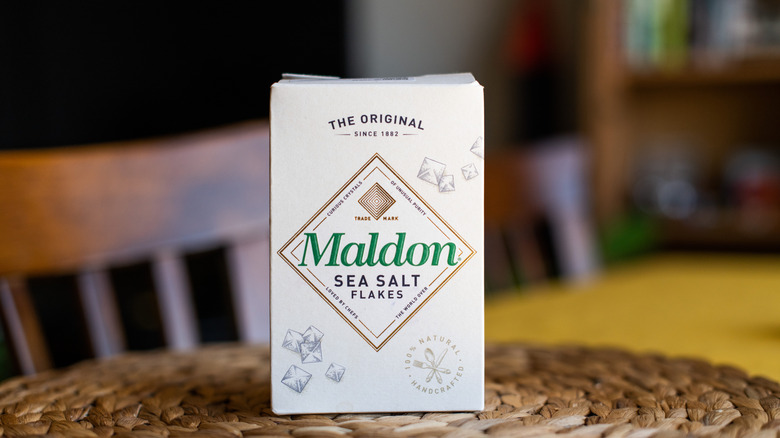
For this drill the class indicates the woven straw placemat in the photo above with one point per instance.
(530, 391)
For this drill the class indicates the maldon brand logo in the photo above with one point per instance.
(392, 253)
(376, 252)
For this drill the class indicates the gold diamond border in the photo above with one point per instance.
(472, 252)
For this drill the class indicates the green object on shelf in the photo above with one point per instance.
(632, 235)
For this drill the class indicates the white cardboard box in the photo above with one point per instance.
(377, 280)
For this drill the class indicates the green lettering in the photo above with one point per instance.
(335, 239)
(359, 257)
(372, 249)
(399, 247)
(423, 258)
(358, 260)
(437, 248)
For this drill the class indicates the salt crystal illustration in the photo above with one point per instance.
(292, 341)
(447, 183)
(469, 171)
(335, 372)
(478, 148)
(431, 171)
(311, 352)
(296, 378)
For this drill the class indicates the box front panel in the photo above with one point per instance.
(377, 242)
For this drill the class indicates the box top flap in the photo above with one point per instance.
(438, 79)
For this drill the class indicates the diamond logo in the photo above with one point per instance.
(376, 201)
(373, 266)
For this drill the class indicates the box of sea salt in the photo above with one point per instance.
(377, 244)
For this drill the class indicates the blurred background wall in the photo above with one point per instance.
(413, 38)
(91, 72)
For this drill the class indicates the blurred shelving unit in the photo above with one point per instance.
(746, 72)
(685, 103)
(722, 229)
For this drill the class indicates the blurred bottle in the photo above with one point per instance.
(667, 181)
(752, 178)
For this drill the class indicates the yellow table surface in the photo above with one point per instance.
(722, 308)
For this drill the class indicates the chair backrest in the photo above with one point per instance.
(512, 252)
(86, 208)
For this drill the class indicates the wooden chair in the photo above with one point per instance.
(87, 208)
(512, 254)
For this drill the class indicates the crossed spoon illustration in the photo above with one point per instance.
(433, 365)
